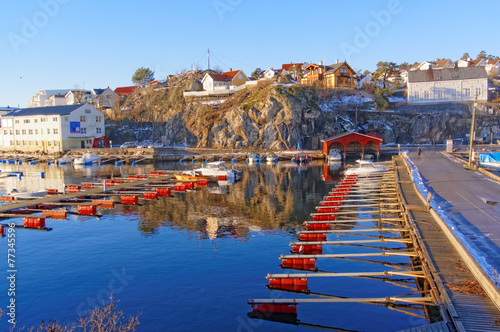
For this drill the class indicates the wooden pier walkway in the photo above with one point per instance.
(468, 312)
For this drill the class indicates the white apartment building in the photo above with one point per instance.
(41, 98)
(461, 84)
(51, 129)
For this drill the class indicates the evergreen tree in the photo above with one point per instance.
(465, 56)
(256, 73)
(143, 76)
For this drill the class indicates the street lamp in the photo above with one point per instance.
(472, 134)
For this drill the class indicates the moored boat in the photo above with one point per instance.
(365, 167)
(334, 155)
(190, 176)
(87, 158)
(27, 194)
(216, 169)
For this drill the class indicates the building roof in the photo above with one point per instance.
(98, 92)
(447, 74)
(493, 62)
(475, 62)
(353, 137)
(231, 74)
(220, 77)
(441, 63)
(287, 66)
(52, 110)
(126, 90)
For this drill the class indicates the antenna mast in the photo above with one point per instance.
(209, 58)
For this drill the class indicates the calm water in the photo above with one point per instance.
(188, 262)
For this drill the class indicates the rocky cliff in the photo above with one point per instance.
(280, 116)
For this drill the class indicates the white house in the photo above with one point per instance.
(447, 85)
(493, 67)
(268, 74)
(438, 64)
(52, 129)
(104, 98)
(75, 97)
(41, 98)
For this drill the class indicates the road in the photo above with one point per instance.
(468, 197)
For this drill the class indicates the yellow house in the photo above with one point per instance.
(339, 75)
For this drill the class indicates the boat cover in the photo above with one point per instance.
(491, 157)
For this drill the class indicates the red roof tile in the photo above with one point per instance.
(220, 77)
(287, 66)
(231, 74)
(125, 90)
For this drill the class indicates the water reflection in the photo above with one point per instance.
(268, 197)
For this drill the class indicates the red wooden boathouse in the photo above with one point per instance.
(353, 142)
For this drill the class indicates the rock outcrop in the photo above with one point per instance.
(280, 116)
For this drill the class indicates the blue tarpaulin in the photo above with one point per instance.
(491, 157)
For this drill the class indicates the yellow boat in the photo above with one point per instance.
(190, 176)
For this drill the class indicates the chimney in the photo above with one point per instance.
(336, 61)
(230, 69)
(321, 63)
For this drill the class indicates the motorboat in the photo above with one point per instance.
(365, 167)
(271, 158)
(334, 155)
(216, 169)
(190, 176)
(301, 158)
(88, 158)
(254, 159)
(67, 159)
(27, 194)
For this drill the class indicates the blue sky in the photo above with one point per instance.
(56, 44)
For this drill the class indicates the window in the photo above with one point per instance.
(65, 118)
(478, 92)
(344, 70)
(439, 77)
(416, 94)
(349, 80)
(17, 121)
(18, 131)
(427, 94)
(98, 130)
(439, 93)
(87, 111)
(30, 131)
(26, 121)
(43, 120)
(55, 131)
(56, 143)
(83, 130)
(54, 119)
(48, 130)
(24, 131)
(98, 119)
(82, 118)
(36, 131)
(35, 120)
(48, 143)
(11, 132)
(467, 92)
(453, 93)
(338, 80)
(5, 132)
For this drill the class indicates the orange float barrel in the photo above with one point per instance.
(54, 214)
(34, 222)
(292, 284)
(150, 195)
(163, 191)
(129, 199)
(87, 210)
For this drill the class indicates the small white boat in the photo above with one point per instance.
(254, 159)
(271, 158)
(88, 158)
(64, 160)
(365, 167)
(27, 194)
(217, 169)
(334, 155)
